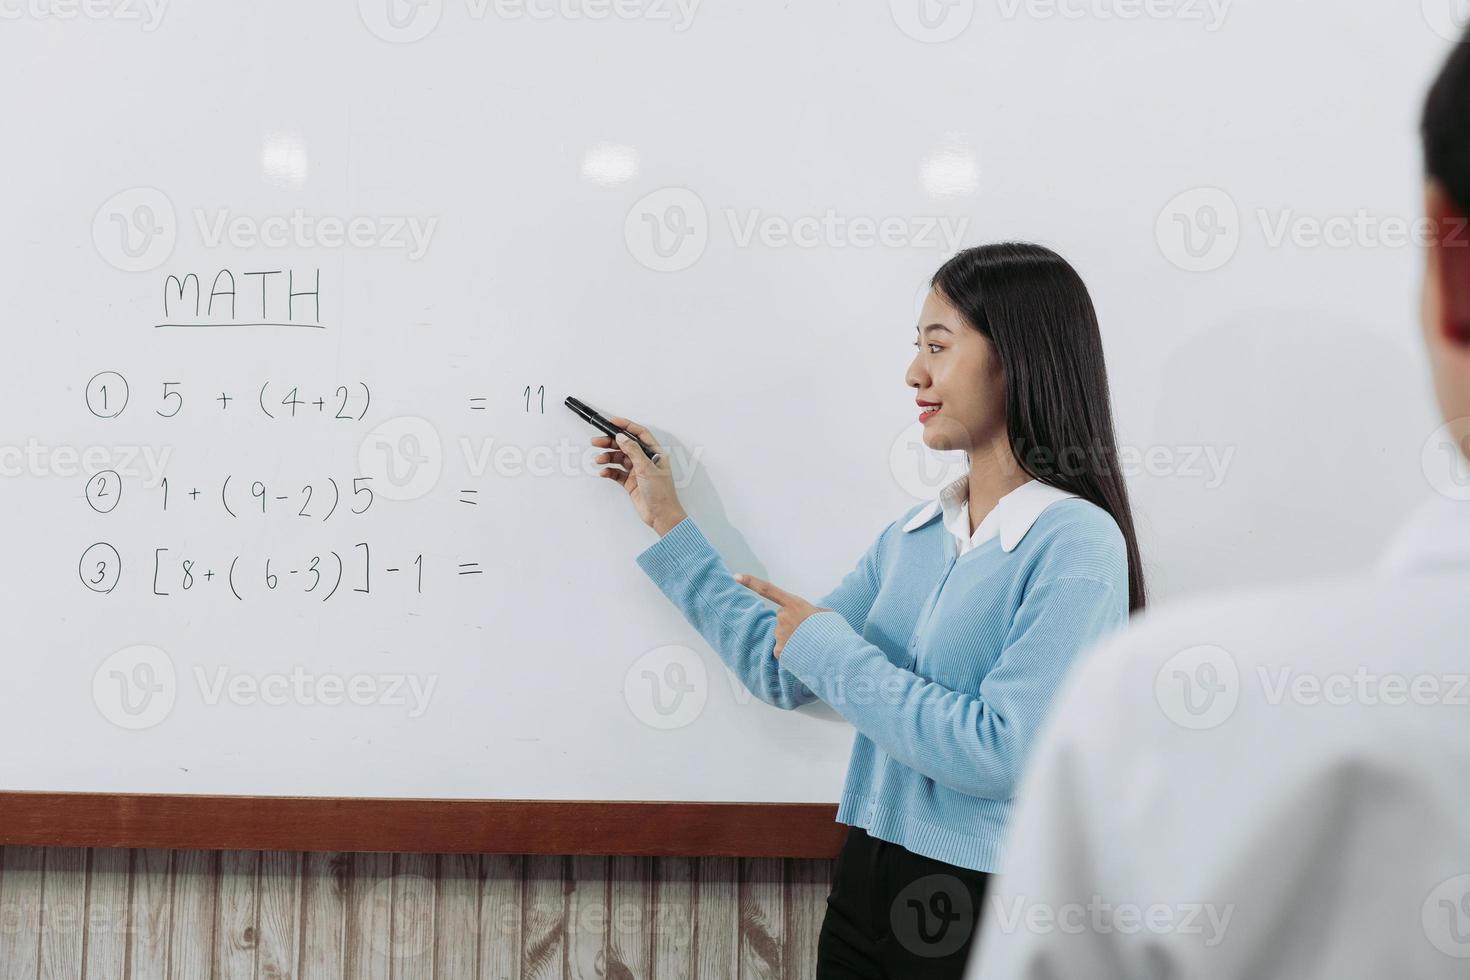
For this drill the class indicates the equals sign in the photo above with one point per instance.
(477, 408)
(472, 503)
(470, 568)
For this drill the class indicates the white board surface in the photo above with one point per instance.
(715, 219)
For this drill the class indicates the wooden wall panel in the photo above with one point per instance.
(106, 914)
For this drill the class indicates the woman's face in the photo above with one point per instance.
(956, 367)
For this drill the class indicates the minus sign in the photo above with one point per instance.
(390, 569)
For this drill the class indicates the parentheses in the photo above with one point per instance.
(336, 497)
(366, 400)
(262, 401)
(223, 499)
(339, 578)
(232, 577)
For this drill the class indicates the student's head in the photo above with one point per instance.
(1010, 350)
(1446, 302)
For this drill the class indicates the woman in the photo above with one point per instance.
(945, 644)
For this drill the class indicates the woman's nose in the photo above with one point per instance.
(914, 376)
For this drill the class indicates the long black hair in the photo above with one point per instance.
(1035, 311)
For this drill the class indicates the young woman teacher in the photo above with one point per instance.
(945, 644)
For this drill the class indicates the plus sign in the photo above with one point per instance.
(194, 493)
(224, 400)
(319, 403)
(209, 574)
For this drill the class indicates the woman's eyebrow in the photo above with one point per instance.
(933, 326)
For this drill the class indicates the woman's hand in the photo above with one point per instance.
(650, 485)
(792, 610)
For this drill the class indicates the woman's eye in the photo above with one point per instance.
(916, 344)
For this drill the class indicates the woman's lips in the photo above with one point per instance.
(928, 413)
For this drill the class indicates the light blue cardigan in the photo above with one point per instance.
(945, 665)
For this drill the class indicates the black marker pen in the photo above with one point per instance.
(588, 415)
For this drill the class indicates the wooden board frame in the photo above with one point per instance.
(438, 826)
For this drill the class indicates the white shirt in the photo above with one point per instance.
(1269, 784)
(1010, 518)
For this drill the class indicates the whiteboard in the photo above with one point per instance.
(349, 542)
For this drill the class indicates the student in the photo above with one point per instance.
(1274, 784)
(944, 644)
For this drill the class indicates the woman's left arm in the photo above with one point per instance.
(975, 743)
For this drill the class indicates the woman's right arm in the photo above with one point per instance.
(738, 624)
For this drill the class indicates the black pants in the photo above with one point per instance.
(897, 915)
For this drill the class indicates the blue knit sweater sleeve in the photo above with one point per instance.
(972, 742)
(738, 624)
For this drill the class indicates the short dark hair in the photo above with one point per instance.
(1445, 127)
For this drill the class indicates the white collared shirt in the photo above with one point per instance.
(1010, 518)
(1271, 784)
